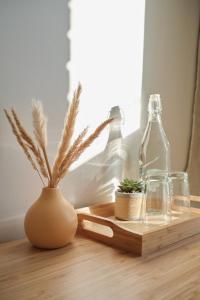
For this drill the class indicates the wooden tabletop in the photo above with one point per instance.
(90, 270)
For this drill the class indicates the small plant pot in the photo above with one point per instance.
(128, 206)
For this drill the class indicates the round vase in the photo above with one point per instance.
(51, 222)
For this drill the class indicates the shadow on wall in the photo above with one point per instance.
(92, 182)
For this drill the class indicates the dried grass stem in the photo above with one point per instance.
(21, 143)
(67, 152)
(67, 133)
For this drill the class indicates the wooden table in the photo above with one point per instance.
(93, 271)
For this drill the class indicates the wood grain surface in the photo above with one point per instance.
(93, 271)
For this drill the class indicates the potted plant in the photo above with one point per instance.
(128, 200)
(51, 221)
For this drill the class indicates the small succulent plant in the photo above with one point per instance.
(130, 186)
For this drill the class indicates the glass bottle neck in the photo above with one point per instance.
(154, 117)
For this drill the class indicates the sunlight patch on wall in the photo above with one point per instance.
(106, 40)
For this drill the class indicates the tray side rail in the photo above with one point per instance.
(120, 238)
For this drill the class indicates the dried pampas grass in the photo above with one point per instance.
(67, 133)
(21, 142)
(67, 152)
(39, 123)
(40, 132)
(30, 143)
(65, 163)
(79, 148)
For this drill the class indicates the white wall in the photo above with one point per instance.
(33, 53)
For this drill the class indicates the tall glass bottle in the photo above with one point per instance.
(154, 155)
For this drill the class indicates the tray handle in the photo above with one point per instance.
(113, 235)
(107, 229)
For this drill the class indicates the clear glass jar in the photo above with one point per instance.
(157, 199)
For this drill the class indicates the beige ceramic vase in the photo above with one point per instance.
(51, 222)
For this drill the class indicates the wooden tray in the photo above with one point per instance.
(98, 222)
